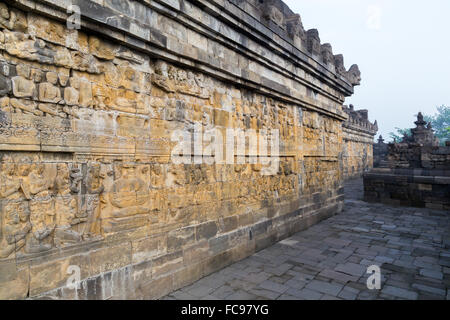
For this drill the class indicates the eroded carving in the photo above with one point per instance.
(313, 42)
(7, 18)
(129, 193)
(46, 204)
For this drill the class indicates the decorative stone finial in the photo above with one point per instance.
(423, 133)
(339, 64)
(276, 14)
(354, 75)
(327, 53)
(296, 31)
(420, 122)
(313, 42)
(272, 13)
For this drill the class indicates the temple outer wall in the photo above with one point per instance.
(358, 135)
(86, 119)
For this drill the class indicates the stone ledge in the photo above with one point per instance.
(387, 186)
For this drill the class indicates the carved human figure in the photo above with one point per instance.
(94, 187)
(23, 171)
(71, 96)
(65, 208)
(75, 180)
(100, 98)
(15, 227)
(129, 194)
(39, 184)
(22, 88)
(5, 82)
(62, 180)
(161, 77)
(42, 209)
(43, 224)
(48, 91)
(9, 183)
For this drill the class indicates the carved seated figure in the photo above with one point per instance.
(22, 87)
(48, 91)
(15, 228)
(194, 86)
(129, 194)
(39, 184)
(42, 222)
(161, 77)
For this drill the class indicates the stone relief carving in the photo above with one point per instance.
(66, 207)
(10, 184)
(94, 188)
(160, 77)
(129, 193)
(7, 18)
(172, 79)
(46, 205)
(48, 91)
(15, 227)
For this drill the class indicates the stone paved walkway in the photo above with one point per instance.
(329, 260)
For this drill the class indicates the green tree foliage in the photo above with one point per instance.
(399, 134)
(441, 123)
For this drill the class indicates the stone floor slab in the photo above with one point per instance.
(330, 259)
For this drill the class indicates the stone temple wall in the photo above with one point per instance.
(358, 135)
(88, 188)
(417, 172)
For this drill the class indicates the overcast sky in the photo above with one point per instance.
(402, 49)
